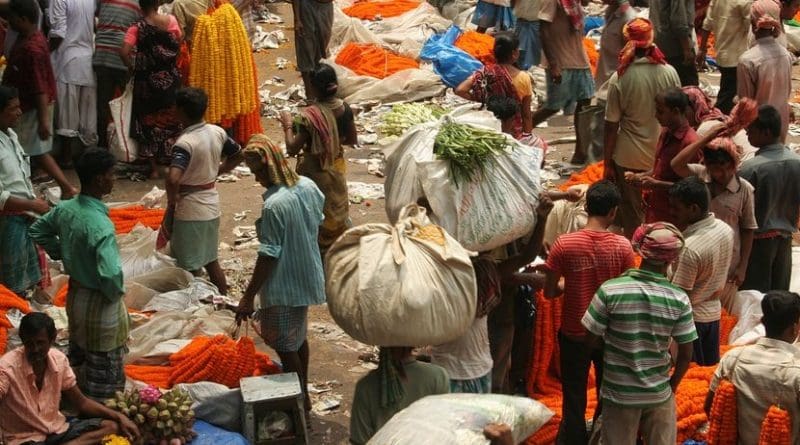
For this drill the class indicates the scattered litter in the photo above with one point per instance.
(294, 92)
(244, 234)
(281, 63)
(268, 40)
(233, 264)
(239, 216)
(367, 139)
(326, 406)
(227, 177)
(242, 171)
(153, 198)
(360, 191)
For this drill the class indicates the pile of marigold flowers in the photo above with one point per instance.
(126, 218)
(9, 300)
(218, 359)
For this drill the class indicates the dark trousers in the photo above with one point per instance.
(727, 89)
(576, 358)
(770, 266)
(686, 72)
(109, 80)
(510, 344)
(706, 347)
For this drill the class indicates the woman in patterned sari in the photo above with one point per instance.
(320, 131)
(156, 78)
(503, 80)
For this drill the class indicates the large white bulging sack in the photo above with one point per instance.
(121, 144)
(495, 209)
(409, 284)
(459, 419)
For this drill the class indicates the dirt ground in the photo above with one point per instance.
(337, 361)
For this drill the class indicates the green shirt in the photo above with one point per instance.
(79, 232)
(368, 416)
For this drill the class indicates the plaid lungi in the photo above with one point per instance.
(20, 261)
(283, 328)
(100, 374)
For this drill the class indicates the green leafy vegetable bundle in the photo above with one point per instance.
(468, 149)
(404, 116)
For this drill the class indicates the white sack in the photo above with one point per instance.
(747, 307)
(386, 287)
(794, 284)
(121, 144)
(492, 210)
(459, 419)
(403, 86)
(137, 250)
(183, 299)
(216, 404)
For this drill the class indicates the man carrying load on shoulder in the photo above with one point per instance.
(288, 275)
(80, 233)
(636, 316)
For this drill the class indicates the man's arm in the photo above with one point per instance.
(685, 351)
(44, 232)
(173, 184)
(109, 268)
(611, 130)
(547, 37)
(232, 152)
(534, 246)
(746, 237)
(43, 115)
(15, 204)
(265, 266)
(297, 9)
(58, 23)
(88, 408)
(681, 161)
(463, 89)
(745, 83)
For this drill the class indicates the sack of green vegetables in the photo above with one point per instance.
(481, 184)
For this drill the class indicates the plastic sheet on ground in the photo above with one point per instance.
(208, 434)
(404, 86)
(183, 299)
(137, 251)
(459, 419)
(177, 325)
(452, 64)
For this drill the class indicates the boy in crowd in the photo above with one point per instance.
(775, 174)
(586, 259)
(702, 267)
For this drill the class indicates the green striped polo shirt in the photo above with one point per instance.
(637, 314)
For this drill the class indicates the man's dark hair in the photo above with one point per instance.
(601, 198)
(503, 107)
(33, 323)
(324, 80)
(148, 4)
(781, 309)
(675, 98)
(505, 43)
(7, 93)
(711, 156)
(93, 163)
(27, 9)
(768, 119)
(690, 191)
(192, 101)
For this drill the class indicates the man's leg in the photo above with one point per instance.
(283, 328)
(686, 72)
(782, 267)
(659, 424)
(727, 89)
(105, 93)
(501, 338)
(217, 276)
(581, 154)
(706, 347)
(100, 374)
(521, 354)
(597, 360)
(575, 361)
(631, 209)
(759, 269)
(621, 425)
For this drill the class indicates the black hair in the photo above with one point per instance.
(675, 98)
(505, 43)
(27, 9)
(601, 198)
(503, 107)
(93, 163)
(34, 322)
(781, 309)
(768, 119)
(324, 80)
(7, 93)
(712, 156)
(148, 4)
(690, 191)
(192, 101)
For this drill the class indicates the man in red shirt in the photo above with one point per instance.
(676, 134)
(29, 71)
(586, 259)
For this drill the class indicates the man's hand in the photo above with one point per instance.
(44, 131)
(737, 277)
(40, 206)
(574, 194)
(127, 428)
(286, 119)
(555, 73)
(649, 182)
(633, 178)
(68, 193)
(498, 434)
(545, 206)
(245, 310)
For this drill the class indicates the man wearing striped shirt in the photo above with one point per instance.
(585, 259)
(636, 315)
(702, 267)
(113, 19)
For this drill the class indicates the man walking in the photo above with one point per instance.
(636, 315)
(313, 26)
(673, 21)
(79, 232)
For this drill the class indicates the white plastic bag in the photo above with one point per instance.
(122, 146)
(183, 299)
(459, 419)
(137, 250)
(492, 210)
(747, 306)
(403, 86)
(388, 287)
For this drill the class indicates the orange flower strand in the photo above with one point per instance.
(366, 59)
(589, 175)
(776, 429)
(723, 429)
(370, 10)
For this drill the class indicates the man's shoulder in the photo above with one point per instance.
(12, 359)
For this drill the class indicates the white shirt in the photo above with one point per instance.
(15, 169)
(467, 357)
(73, 21)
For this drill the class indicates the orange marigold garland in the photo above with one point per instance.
(589, 175)
(9, 300)
(723, 428)
(126, 218)
(776, 429)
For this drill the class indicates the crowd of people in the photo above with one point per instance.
(705, 194)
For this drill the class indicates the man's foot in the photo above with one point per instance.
(578, 160)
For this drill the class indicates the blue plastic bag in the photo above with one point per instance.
(592, 22)
(208, 434)
(453, 65)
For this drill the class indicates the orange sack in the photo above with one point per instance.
(591, 53)
(373, 61)
(477, 45)
(369, 10)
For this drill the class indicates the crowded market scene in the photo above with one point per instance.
(400, 222)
